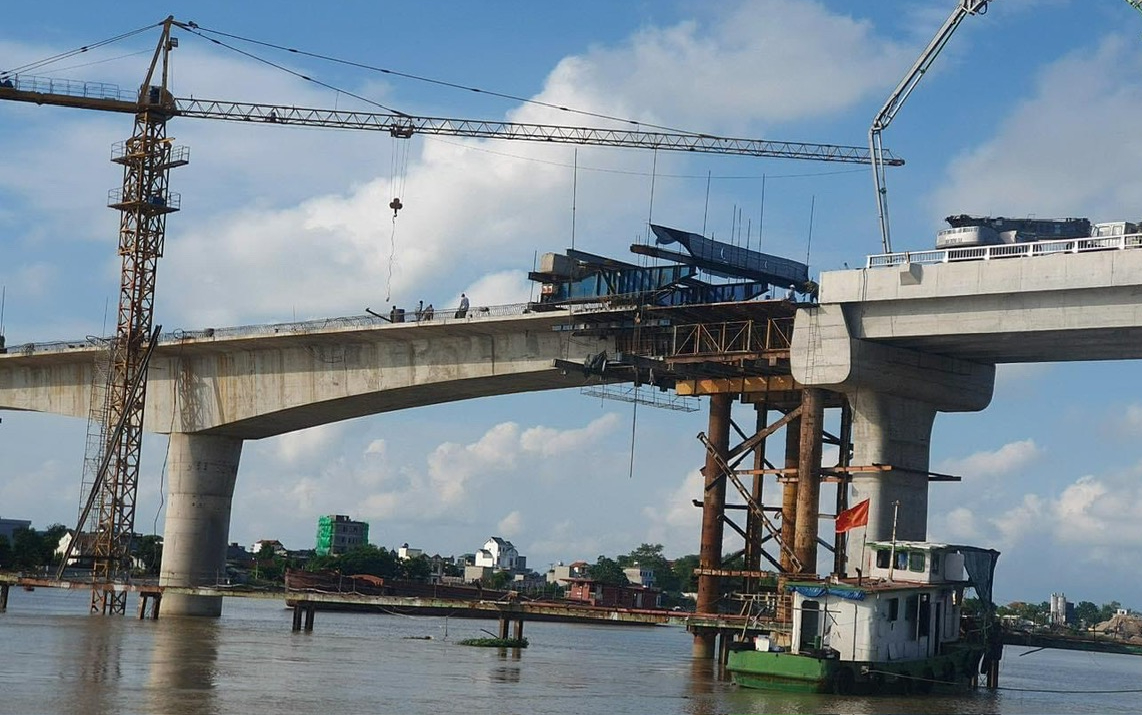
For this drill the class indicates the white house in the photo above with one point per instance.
(404, 553)
(499, 554)
(639, 575)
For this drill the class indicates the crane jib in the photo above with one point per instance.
(404, 126)
(109, 98)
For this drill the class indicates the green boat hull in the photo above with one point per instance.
(795, 672)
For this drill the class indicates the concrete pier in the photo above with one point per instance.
(202, 471)
(894, 394)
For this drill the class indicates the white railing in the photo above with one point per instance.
(1006, 250)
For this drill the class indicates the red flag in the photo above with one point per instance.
(852, 518)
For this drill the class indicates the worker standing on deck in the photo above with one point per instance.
(463, 306)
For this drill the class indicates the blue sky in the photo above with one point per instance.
(1031, 110)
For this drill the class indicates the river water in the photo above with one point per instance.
(55, 658)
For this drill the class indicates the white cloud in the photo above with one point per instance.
(304, 446)
(1097, 513)
(1019, 521)
(674, 521)
(377, 446)
(510, 525)
(1083, 107)
(1014, 373)
(693, 72)
(957, 526)
(1008, 459)
(550, 442)
(1134, 419)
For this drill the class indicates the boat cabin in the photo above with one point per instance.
(905, 606)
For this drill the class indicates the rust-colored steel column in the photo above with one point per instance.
(840, 541)
(713, 512)
(809, 480)
(789, 493)
(753, 528)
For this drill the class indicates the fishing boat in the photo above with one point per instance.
(900, 628)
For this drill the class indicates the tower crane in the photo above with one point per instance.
(896, 100)
(1136, 4)
(144, 202)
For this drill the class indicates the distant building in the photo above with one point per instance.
(238, 555)
(276, 547)
(9, 527)
(81, 552)
(500, 555)
(404, 553)
(596, 593)
(560, 574)
(476, 573)
(337, 533)
(441, 566)
(639, 575)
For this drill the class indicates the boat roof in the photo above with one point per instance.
(853, 589)
(924, 546)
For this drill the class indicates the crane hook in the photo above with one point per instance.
(395, 205)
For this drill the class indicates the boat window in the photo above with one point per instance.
(883, 557)
(901, 560)
(893, 609)
(916, 561)
(936, 570)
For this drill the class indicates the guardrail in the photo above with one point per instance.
(69, 87)
(1005, 250)
(410, 317)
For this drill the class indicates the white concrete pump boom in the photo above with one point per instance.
(896, 100)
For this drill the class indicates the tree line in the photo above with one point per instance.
(1087, 613)
(32, 550)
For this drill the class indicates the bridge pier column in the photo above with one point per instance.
(894, 394)
(895, 431)
(202, 470)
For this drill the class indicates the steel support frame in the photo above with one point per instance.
(797, 537)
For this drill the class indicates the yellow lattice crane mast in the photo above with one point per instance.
(145, 200)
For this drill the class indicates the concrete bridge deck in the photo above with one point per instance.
(261, 381)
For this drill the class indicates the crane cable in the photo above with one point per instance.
(398, 170)
(198, 30)
(194, 29)
(79, 50)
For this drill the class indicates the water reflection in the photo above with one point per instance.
(98, 666)
(701, 687)
(184, 666)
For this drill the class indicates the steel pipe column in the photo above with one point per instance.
(753, 529)
(202, 471)
(808, 480)
(789, 494)
(713, 512)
